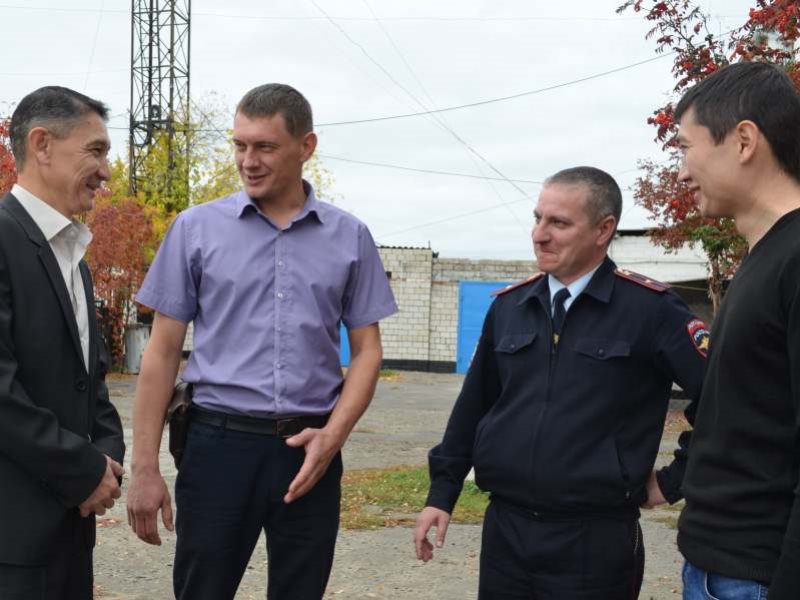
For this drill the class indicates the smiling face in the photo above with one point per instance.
(269, 159)
(75, 166)
(709, 169)
(567, 243)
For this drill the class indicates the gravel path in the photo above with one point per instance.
(406, 418)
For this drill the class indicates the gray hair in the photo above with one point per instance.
(604, 198)
(58, 109)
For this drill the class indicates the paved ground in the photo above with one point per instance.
(406, 418)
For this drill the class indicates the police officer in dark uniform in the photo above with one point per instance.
(562, 410)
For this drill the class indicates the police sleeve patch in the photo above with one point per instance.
(700, 336)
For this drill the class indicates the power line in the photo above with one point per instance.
(94, 44)
(454, 217)
(60, 73)
(500, 99)
(225, 135)
(435, 118)
(469, 214)
(216, 15)
(513, 96)
(442, 122)
(428, 171)
(495, 100)
(439, 110)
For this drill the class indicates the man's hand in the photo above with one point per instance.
(321, 446)
(654, 495)
(147, 494)
(430, 517)
(106, 491)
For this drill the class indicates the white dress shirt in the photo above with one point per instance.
(68, 239)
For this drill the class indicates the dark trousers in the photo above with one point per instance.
(66, 576)
(530, 558)
(231, 486)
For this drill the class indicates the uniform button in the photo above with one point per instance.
(80, 385)
(280, 263)
(280, 294)
(279, 366)
(512, 346)
(601, 352)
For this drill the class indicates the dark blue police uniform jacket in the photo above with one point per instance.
(572, 428)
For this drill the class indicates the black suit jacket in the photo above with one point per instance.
(56, 420)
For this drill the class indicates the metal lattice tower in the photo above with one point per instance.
(159, 90)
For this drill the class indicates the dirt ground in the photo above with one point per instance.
(406, 418)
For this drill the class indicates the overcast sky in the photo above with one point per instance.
(360, 59)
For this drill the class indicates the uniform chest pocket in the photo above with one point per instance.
(509, 344)
(603, 349)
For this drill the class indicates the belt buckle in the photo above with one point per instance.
(286, 428)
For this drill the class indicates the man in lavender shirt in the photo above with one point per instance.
(266, 275)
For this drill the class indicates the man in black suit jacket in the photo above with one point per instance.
(61, 442)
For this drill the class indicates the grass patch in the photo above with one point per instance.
(670, 521)
(119, 376)
(374, 498)
(389, 375)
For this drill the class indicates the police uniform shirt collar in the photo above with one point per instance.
(600, 284)
(311, 206)
(575, 288)
(50, 221)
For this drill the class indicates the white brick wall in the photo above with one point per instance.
(426, 290)
(405, 335)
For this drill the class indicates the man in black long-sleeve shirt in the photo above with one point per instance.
(740, 530)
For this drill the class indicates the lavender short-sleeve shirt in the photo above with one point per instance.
(267, 303)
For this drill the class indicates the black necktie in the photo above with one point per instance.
(559, 312)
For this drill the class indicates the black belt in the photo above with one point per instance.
(616, 512)
(282, 428)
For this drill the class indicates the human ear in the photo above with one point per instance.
(309, 145)
(747, 138)
(606, 228)
(39, 144)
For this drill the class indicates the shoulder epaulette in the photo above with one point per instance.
(513, 286)
(643, 280)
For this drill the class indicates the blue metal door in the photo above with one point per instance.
(344, 345)
(474, 298)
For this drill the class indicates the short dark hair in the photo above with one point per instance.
(604, 198)
(277, 98)
(752, 91)
(54, 107)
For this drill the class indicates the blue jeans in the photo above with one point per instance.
(702, 585)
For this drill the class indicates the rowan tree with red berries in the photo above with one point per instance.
(680, 27)
(8, 170)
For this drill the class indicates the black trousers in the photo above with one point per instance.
(66, 576)
(231, 486)
(524, 557)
